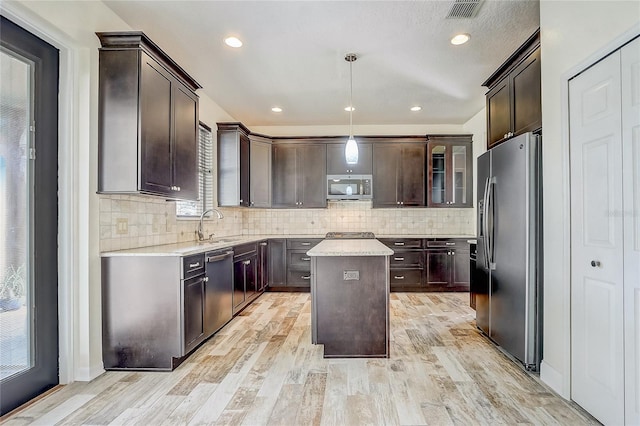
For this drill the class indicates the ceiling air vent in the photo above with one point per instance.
(464, 9)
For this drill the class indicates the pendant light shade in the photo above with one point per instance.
(351, 149)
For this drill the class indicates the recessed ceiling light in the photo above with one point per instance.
(276, 109)
(416, 108)
(233, 42)
(349, 109)
(460, 39)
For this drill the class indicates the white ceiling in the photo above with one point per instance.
(293, 56)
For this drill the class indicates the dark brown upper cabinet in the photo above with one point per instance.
(398, 174)
(337, 164)
(147, 120)
(244, 167)
(233, 165)
(450, 171)
(514, 102)
(299, 175)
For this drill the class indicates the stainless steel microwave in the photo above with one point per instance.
(349, 187)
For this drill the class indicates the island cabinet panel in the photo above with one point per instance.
(299, 175)
(337, 163)
(351, 316)
(398, 174)
(147, 120)
(514, 99)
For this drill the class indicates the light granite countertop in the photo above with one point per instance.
(193, 247)
(360, 247)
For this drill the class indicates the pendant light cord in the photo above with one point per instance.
(351, 98)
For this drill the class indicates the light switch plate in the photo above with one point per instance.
(351, 275)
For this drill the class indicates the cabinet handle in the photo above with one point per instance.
(178, 188)
(194, 265)
(595, 263)
(402, 203)
(306, 259)
(305, 244)
(398, 243)
(205, 279)
(306, 277)
(450, 244)
(399, 259)
(263, 244)
(247, 262)
(398, 277)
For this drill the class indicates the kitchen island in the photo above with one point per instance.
(350, 297)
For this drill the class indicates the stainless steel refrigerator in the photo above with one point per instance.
(508, 277)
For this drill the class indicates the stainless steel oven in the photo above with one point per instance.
(349, 187)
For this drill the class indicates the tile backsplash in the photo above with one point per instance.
(131, 221)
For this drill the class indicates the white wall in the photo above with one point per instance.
(572, 32)
(71, 26)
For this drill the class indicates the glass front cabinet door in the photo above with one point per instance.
(450, 171)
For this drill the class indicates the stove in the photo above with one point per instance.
(349, 235)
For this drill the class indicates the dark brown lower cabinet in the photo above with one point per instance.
(193, 312)
(447, 265)
(245, 266)
(277, 263)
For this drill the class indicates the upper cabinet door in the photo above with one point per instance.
(450, 171)
(313, 171)
(526, 94)
(412, 173)
(514, 98)
(260, 174)
(155, 128)
(386, 164)
(337, 165)
(284, 185)
(498, 112)
(185, 143)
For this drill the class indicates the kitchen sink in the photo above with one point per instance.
(218, 240)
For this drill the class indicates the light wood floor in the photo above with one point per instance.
(262, 369)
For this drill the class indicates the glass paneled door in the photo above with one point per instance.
(28, 216)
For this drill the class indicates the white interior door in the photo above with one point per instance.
(597, 355)
(630, 59)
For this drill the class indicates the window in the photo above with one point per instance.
(205, 177)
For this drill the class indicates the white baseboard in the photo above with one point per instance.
(554, 379)
(89, 373)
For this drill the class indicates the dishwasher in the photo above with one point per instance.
(219, 290)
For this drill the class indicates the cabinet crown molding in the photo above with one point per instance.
(532, 43)
(121, 40)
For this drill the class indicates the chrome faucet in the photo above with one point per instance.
(200, 231)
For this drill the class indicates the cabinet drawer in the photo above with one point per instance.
(448, 243)
(244, 249)
(192, 265)
(298, 260)
(407, 259)
(302, 243)
(298, 278)
(406, 243)
(408, 277)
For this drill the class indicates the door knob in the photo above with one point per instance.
(595, 263)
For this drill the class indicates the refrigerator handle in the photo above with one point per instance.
(490, 224)
(485, 219)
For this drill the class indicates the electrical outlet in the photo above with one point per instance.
(122, 226)
(351, 275)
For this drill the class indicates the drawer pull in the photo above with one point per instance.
(398, 277)
(305, 244)
(306, 277)
(306, 259)
(398, 243)
(399, 259)
(194, 265)
(450, 244)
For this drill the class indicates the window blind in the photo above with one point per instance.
(205, 177)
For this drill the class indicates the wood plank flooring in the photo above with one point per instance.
(261, 369)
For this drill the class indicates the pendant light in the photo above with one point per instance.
(351, 149)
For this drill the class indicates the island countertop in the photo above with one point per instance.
(359, 247)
